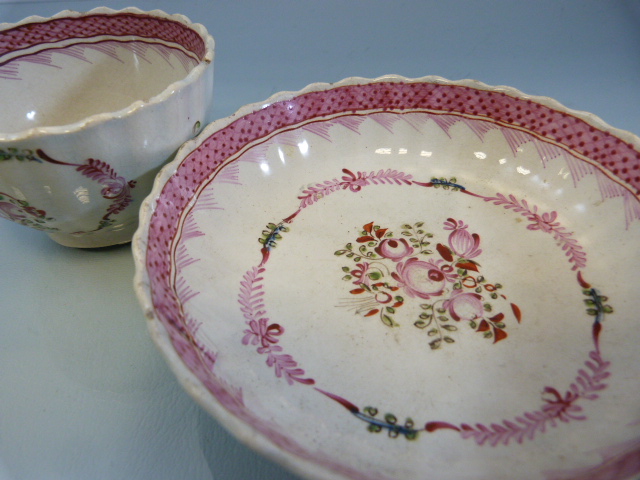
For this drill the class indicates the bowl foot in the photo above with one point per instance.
(103, 238)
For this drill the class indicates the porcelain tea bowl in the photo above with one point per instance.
(93, 104)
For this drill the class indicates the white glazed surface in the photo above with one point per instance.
(85, 395)
(79, 155)
(281, 342)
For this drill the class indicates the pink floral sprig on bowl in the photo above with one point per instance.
(444, 283)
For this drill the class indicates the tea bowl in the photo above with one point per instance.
(94, 103)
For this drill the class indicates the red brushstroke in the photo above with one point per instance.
(444, 252)
(433, 426)
(466, 265)
(583, 283)
(344, 402)
(516, 312)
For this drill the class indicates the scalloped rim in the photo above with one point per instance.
(98, 118)
(242, 431)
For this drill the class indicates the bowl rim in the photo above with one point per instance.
(103, 117)
(242, 431)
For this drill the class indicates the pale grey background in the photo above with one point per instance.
(83, 392)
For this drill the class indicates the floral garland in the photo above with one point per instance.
(386, 265)
(115, 188)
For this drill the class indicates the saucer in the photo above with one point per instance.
(405, 278)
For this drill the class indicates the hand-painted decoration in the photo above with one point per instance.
(445, 280)
(115, 188)
(386, 270)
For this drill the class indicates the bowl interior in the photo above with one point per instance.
(59, 71)
(426, 283)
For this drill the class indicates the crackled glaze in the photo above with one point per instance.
(437, 261)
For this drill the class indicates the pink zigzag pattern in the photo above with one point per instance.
(190, 229)
(516, 139)
(545, 222)
(10, 71)
(264, 334)
(209, 356)
(558, 408)
(184, 291)
(184, 258)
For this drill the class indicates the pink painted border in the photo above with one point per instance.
(617, 158)
(612, 153)
(10, 70)
(89, 26)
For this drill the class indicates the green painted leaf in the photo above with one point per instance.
(411, 435)
(390, 418)
(388, 321)
(372, 411)
(374, 428)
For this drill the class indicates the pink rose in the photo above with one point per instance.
(394, 249)
(463, 243)
(464, 305)
(11, 212)
(423, 279)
